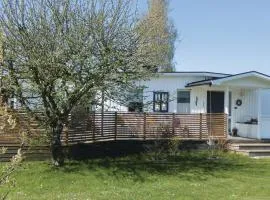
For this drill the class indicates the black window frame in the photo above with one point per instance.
(161, 101)
(183, 100)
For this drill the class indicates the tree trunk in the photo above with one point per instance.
(56, 145)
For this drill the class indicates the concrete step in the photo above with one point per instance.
(259, 153)
(255, 153)
(250, 146)
(254, 150)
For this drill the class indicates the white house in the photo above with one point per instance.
(244, 97)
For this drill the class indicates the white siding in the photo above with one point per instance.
(199, 96)
(265, 128)
(255, 105)
(265, 104)
(183, 108)
(265, 115)
(171, 85)
(110, 105)
(249, 107)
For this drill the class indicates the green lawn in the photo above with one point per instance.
(188, 176)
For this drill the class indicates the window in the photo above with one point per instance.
(183, 96)
(161, 102)
(135, 107)
(183, 101)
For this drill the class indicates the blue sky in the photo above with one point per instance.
(229, 36)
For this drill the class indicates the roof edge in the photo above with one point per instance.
(219, 80)
(195, 72)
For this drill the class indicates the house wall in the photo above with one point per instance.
(249, 107)
(265, 103)
(264, 120)
(171, 84)
(198, 100)
(255, 103)
(249, 96)
(110, 105)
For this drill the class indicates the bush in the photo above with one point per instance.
(164, 145)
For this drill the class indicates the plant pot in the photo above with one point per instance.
(234, 132)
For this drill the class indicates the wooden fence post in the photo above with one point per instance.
(102, 122)
(226, 125)
(173, 123)
(200, 125)
(144, 125)
(66, 134)
(66, 128)
(93, 125)
(115, 125)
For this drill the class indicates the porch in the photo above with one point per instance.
(244, 98)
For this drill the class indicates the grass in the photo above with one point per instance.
(190, 175)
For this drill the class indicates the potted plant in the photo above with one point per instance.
(234, 131)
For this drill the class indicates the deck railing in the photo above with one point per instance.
(96, 126)
(144, 126)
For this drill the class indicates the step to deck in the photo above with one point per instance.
(255, 153)
(251, 146)
(254, 150)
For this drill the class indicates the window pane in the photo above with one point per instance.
(157, 97)
(183, 96)
(157, 107)
(164, 106)
(165, 97)
(161, 101)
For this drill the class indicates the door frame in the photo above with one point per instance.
(230, 111)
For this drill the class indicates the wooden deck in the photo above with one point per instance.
(112, 126)
(144, 126)
(94, 127)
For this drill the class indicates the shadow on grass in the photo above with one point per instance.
(127, 161)
(189, 165)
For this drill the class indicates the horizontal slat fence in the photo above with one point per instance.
(99, 126)
(92, 127)
(24, 125)
(24, 130)
(85, 127)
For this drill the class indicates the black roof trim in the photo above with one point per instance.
(209, 82)
(199, 83)
(194, 72)
(245, 73)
